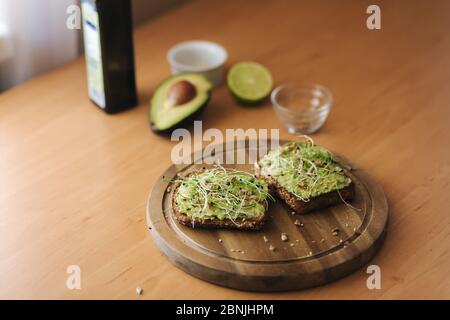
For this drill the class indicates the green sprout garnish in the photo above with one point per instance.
(220, 193)
(304, 169)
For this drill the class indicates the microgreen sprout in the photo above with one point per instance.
(220, 193)
(304, 169)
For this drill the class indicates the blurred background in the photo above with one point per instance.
(32, 40)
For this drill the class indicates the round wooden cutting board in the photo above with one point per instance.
(327, 245)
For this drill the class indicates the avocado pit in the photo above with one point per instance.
(178, 101)
(181, 93)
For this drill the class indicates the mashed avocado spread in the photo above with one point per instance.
(304, 170)
(220, 193)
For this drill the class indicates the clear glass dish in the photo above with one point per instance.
(302, 108)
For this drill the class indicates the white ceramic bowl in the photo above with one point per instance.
(205, 57)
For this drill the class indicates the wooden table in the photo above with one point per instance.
(74, 181)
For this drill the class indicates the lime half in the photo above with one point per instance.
(249, 82)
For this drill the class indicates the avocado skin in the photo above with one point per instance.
(188, 121)
(185, 123)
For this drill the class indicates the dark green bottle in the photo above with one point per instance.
(108, 47)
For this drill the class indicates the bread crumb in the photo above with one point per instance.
(293, 212)
(292, 244)
(335, 231)
(284, 237)
(138, 291)
(272, 248)
(298, 223)
(265, 239)
(220, 240)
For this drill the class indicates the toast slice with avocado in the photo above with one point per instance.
(221, 198)
(306, 177)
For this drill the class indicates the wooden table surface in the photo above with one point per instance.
(74, 181)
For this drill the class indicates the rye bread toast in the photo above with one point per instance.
(240, 224)
(250, 223)
(318, 201)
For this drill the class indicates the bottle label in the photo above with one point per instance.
(93, 53)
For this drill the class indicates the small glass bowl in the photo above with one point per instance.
(302, 108)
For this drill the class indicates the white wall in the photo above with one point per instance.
(40, 40)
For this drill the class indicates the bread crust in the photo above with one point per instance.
(314, 203)
(319, 202)
(239, 224)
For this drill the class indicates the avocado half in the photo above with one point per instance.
(178, 101)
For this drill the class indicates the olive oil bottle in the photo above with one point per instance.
(108, 47)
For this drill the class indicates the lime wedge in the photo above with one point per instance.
(249, 82)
